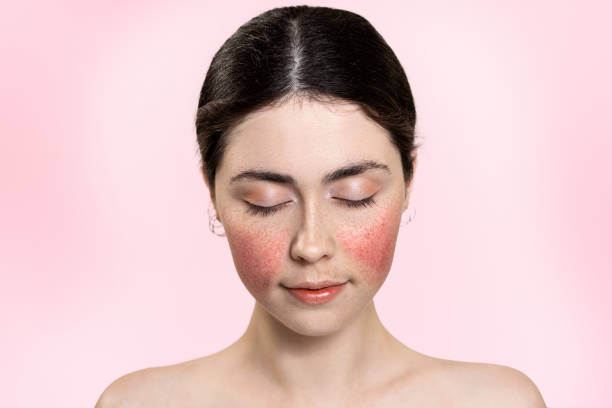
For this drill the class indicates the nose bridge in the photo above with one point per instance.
(313, 239)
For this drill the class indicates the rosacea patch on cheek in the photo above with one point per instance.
(258, 257)
(372, 244)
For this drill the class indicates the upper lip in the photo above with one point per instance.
(315, 285)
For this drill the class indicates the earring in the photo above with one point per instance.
(215, 226)
(411, 215)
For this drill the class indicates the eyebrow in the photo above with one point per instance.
(351, 169)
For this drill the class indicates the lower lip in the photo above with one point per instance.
(317, 296)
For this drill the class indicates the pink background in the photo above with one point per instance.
(105, 250)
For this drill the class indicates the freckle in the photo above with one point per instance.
(257, 257)
(372, 244)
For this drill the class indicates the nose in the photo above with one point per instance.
(313, 240)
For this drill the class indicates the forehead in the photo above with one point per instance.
(306, 137)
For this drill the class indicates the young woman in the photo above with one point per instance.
(306, 130)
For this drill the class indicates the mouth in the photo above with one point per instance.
(316, 293)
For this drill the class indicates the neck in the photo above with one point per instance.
(321, 367)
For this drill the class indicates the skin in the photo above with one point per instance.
(314, 235)
(335, 354)
(371, 245)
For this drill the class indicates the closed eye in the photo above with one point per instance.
(265, 211)
(261, 210)
(368, 201)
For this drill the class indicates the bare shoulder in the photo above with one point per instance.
(137, 389)
(173, 385)
(129, 389)
(487, 385)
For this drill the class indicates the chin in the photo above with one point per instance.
(313, 327)
(312, 322)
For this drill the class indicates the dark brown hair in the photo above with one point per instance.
(320, 53)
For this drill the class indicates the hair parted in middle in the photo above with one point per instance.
(319, 53)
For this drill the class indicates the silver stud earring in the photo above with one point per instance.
(215, 226)
(411, 215)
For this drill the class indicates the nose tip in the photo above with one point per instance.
(312, 241)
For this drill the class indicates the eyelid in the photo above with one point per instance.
(355, 187)
(265, 194)
(263, 210)
(364, 202)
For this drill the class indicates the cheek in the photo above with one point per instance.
(257, 256)
(372, 244)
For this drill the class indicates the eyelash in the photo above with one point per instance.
(264, 211)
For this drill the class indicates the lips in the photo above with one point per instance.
(321, 292)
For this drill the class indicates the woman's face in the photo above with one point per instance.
(290, 217)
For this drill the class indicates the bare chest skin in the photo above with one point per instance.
(401, 394)
(230, 379)
(436, 384)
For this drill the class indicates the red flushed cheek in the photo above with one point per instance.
(257, 257)
(372, 244)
